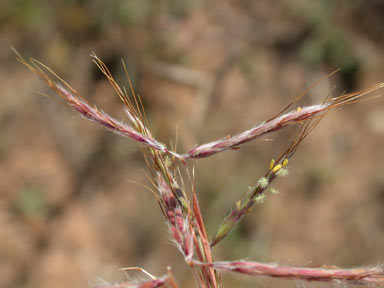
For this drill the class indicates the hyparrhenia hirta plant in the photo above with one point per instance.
(179, 202)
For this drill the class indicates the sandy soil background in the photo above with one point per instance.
(69, 213)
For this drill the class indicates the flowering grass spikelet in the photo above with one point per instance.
(260, 198)
(273, 190)
(263, 182)
(282, 172)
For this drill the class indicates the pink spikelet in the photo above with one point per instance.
(277, 123)
(177, 219)
(374, 275)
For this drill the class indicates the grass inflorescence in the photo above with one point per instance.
(178, 199)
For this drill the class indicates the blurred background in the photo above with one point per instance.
(69, 212)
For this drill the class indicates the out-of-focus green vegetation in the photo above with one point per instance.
(31, 203)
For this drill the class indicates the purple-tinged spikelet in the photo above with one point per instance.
(374, 275)
(177, 219)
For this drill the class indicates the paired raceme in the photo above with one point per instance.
(183, 216)
(143, 136)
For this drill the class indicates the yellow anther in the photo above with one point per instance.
(272, 163)
(276, 168)
(274, 190)
(285, 162)
(238, 205)
(298, 109)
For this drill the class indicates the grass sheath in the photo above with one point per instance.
(185, 220)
